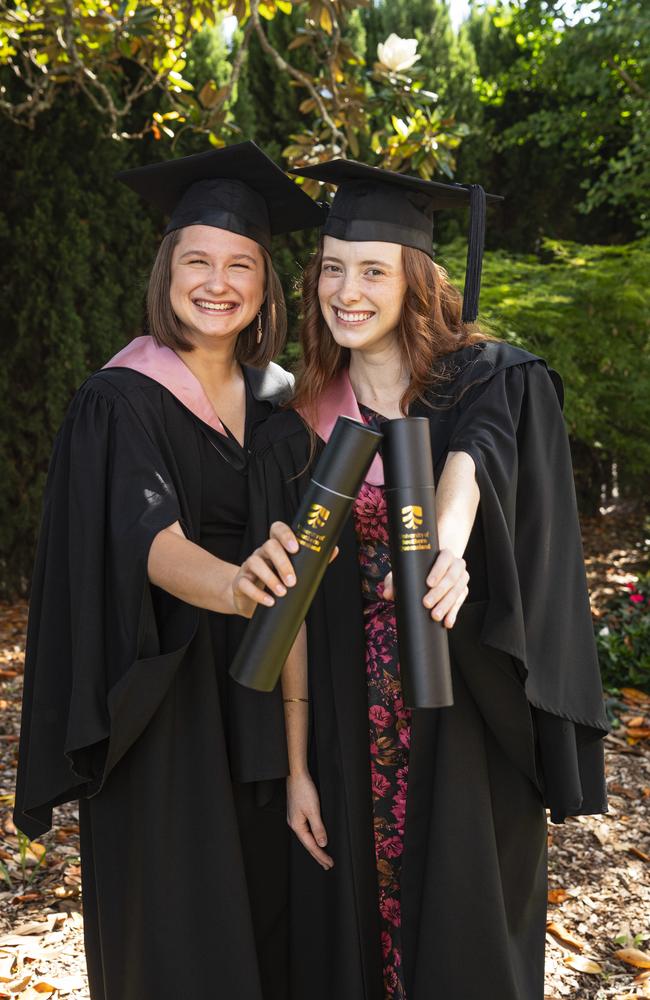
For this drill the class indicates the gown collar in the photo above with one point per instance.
(271, 384)
(165, 367)
(336, 400)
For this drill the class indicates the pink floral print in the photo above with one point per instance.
(389, 729)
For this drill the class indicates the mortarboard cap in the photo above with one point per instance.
(373, 204)
(237, 188)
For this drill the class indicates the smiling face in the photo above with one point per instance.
(217, 283)
(361, 291)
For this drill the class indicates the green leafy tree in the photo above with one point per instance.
(583, 309)
(116, 53)
(566, 109)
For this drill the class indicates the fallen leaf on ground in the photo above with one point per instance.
(583, 964)
(557, 895)
(632, 956)
(638, 697)
(560, 932)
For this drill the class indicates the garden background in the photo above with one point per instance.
(542, 101)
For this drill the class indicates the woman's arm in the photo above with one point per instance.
(457, 500)
(187, 571)
(303, 805)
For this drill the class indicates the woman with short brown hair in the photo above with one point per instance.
(137, 587)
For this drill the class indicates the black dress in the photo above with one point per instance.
(525, 729)
(128, 705)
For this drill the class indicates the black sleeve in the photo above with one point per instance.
(538, 609)
(96, 666)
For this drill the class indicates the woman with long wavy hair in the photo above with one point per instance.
(419, 863)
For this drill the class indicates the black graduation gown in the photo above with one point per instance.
(525, 728)
(128, 705)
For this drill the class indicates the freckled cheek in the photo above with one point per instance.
(327, 286)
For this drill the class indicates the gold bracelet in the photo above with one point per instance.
(296, 699)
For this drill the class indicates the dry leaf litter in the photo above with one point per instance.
(598, 931)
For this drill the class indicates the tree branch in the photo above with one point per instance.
(297, 75)
(625, 76)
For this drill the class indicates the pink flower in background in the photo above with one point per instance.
(637, 598)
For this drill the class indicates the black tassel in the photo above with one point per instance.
(475, 244)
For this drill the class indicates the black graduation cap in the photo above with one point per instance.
(237, 188)
(374, 204)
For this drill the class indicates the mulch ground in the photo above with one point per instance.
(598, 940)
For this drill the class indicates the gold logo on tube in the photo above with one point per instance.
(412, 516)
(317, 516)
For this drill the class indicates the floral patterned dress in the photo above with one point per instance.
(389, 724)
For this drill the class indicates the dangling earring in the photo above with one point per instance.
(260, 332)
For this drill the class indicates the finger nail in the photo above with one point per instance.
(436, 615)
(428, 603)
(322, 842)
(280, 590)
(293, 545)
(290, 579)
(269, 602)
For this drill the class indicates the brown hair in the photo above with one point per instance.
(430, 327)
(167, 331)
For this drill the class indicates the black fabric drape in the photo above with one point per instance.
(128, 707)
(474, 868)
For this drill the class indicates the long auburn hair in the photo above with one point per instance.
(430, 327)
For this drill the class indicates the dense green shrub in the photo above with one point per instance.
(73, 257)
(585, 310)
(623, 638)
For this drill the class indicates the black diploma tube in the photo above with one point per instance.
(334, 485)
(413, 533)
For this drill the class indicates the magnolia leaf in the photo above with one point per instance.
(633, 694)
(38, 850)
(557, 895)
(582, 964)
(325, 20)
(267, 10)
(632, 956)
(299, 40)
(311, 187)
(353, 141)
(562, 934)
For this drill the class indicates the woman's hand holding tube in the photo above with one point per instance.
(457, 498)
(267, 571)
